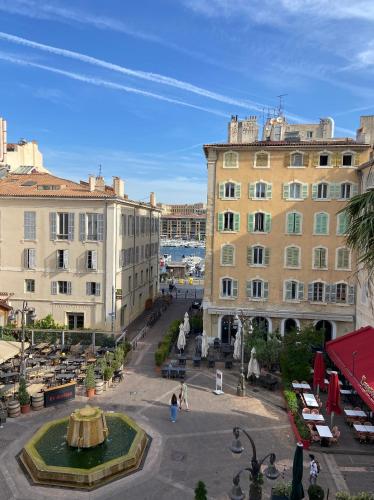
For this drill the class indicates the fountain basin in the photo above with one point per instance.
(49, 459)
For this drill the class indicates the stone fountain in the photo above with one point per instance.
(86, 450)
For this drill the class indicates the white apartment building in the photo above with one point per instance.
(82, 252)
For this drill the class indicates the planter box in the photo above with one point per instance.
(299, 439)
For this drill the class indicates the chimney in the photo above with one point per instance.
(92, 182)
(100, 183)
(119, 186)
(152, 199)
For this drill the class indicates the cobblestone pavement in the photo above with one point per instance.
(195, 448)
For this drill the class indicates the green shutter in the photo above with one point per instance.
(221, 190)
(314, 191)
(249, 256)
(304, 191)
(251, 222)
(351, 295)
(354, 189)
(295, 256)
(267, 256)
(266, 289)
(238, 190)
(288, 290)
(317, 228)
(234, 288)
(342, 223)
(236, 222)
(297, 223)
(252, 189)
(248, 289)
(333, 293)
(268, 190)
(267, 223)
(289, 256)
(310, 292)
(327, 293)
(286, 191)
(290, 223)
(335, 191)
(220, 221)
(300, 294)
(356, 159)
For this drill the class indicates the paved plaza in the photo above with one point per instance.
(195, 448)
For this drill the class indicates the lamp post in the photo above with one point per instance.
(25, 309)
(240, 388)
(255, 476)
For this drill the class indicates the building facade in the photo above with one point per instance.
(187, 222)
(275, 248)
(82, 252)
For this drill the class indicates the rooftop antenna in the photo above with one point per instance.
(100, 170)
(280, 106)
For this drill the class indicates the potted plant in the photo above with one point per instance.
(200, 491)
(108, 374)
(23, 396)
(281, 491)
(315, 492)
(90, 381)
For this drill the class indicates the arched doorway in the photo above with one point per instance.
(228, 329)
(289, 325)
(261, 324)
(327, 327)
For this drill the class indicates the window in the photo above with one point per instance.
(295, 191)
(257, 289)
(230, 159)
(142, 276)
(227, 255)
(30, 286)
(63, 226)
(292, 256)
(62, 259)
(75, 321)
(320, 258)
(63, 287)
(341, 293)
(293, 290)
(321, 223)
(228, 221)
(260, 190)
(259, 222)
(342, 223)
(322, 191)
(317, 290)
(229, 190)
(92, 288)
(229, 287)
(345, 190)
(29, 226)
(93, 227)
(347, 159)
(297, 160)
(29, 257)
(343, 259)
(309, 134)
(129, 282)
(261, 160)
(228, 224)
(294, 220)
(91, 260)
(324, 160)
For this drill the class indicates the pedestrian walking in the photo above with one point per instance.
(173, 408)
(183, 395)
(314, 470)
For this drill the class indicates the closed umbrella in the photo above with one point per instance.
(297, 492)
(181, 343)
(204, 345)
(186, 324)
(319, 372)
(253, 366)
(237, 344)
(333, 396)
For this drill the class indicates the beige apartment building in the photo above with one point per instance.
(82, 252)
(183, 221)
(275, 249)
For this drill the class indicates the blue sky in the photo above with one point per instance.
(138, 87)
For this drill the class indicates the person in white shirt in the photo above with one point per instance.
(313, 474)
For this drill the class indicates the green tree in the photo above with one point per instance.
(200, 491)
(47, 323)
(23, 395)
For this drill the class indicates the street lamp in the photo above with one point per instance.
(255, 477)
(25, 310)
(240, 388)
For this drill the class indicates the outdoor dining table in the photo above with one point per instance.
(313, 417)
(301, 386)
(182, 360)
(355, 413)
(9, 375)
(324, 433)
(65, 376)
(364, 428)
(310, 400)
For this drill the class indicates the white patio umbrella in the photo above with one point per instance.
(238, 345)
(204, 345)
(253, 366)
(186, 324)
(181, 343)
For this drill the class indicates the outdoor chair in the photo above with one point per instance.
(306, 410)
(315, 411)
(216, 343)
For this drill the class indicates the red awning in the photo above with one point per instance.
(353, 354)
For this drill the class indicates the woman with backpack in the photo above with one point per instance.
(314, 470)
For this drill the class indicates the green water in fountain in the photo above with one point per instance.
(54, 450)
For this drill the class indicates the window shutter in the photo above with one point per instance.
(310, 291)
(29, 226)
(251, 222)
(286, 191)
(267, 223)
(66, 259)
(234, 288)
(342, 223)
(221, 190)
(333, 293)
(32, 258)
(120, 259)
(269, 189)
(94, 259)
(356, 159)
(236, 222)
(295, 256)
(304, 191)
(100, 227)
(52, 226)
(315, 159)
(290, 223)
(82, 226)
(70, 226)
(300, 291)
(335, 160)
(288, 256)
(252, 189)
(354, 189)
(324, 224)
(88, 288)
(306, 160)
(249, 289)
(26, 258)
(54, 287)
(57, 262)
(351, 295)
(267, 256)
(238, 190)
(266, 289)
(335, 191)
(327, 293)
(68, 287)
(288, 290)
(220, 221)
(249, 256)
(314, 191)
(297, 223)
(97, 289)
(287, 159)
